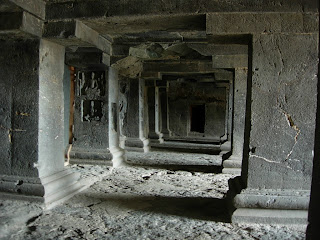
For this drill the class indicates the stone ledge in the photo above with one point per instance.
(293, 218)
(265, 199)
(50, 190)
(230, 61)
(98, 154)
(21, 185)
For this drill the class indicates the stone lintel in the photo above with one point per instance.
(230, 61)
(83, 58)
(21, 21)
(262, 22)
(91, 36)
(209, 49)
(151, 75)
(36, 7)
(220, 76)
(179, 66)
(110, 60)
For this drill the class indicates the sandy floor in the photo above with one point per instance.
(136, 203)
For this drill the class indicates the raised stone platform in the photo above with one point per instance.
(51, 190)
(83, 156)
(284, 207)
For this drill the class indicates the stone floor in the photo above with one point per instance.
(136, 203)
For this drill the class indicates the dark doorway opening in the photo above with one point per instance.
(198, 117)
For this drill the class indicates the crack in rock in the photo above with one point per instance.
(295, 127)
(263, 158)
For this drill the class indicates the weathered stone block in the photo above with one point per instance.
(230, 23)
(284, 89)
(229, 61)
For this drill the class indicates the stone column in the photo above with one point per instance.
(158, 115)
(234, 162)
(163, 96)
(134, 124)
(153, 136)
(143, 115)
(118, 154)
(90, 127)
(32, 123)
(277, 174)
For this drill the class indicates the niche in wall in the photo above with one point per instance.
(197, 118)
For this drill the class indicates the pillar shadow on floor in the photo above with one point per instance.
(209, 209)
(176, 167)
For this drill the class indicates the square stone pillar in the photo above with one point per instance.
(158, 115)
(278, 173)
(118, 154)
(163, 110)
(90, 129)
(31, 120)
(90, 126)
(153, 136)
(134, 123)
(234, 162)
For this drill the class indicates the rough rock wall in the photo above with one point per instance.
(19, 84)
(284, 90)
(183, 95)
(91, 111)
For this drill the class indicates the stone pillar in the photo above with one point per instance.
(234, 162)
(153, 136)
(158, 115)
(32, 123)
(90, 127)
(118, 154)
(134, 124)
(277, 174)
(226, 147)
(164, 124)
(143, 113)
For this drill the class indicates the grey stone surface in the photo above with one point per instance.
(37, 7)
(131, 203)
(19, 101)
(228, 23)
(76, 9)
(283, 116)
(230, 61)
(184, 94)
(131, 119)
(239, 111)
(51, 109)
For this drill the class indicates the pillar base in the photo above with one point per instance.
(137, 144)
(155, 138)
(51, 190)
(92, 156)
(268, 206)
(232, 165)
(118, 157)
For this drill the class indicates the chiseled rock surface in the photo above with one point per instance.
(137, 203)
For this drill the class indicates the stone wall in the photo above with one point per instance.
(19, 99)
(181, 96)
